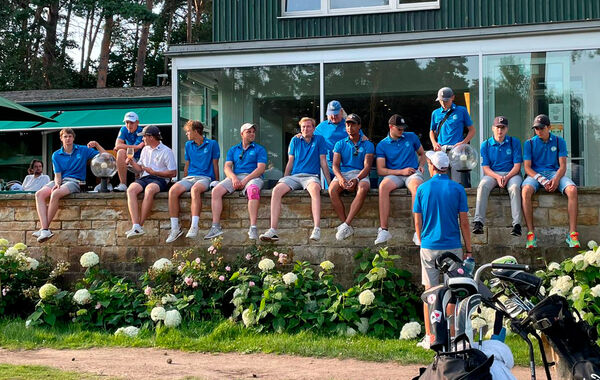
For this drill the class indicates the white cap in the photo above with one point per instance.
(247, 126)
(131, 116)
(439, 159)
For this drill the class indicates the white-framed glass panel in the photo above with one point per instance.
(307, 8)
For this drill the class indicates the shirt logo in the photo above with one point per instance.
(407, 144)
(78, 156)
(553, 149)
(508, 151)
(454, 117)
(205, 150)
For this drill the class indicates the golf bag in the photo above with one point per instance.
(574, 341)
(469, 364)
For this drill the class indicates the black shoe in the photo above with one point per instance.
(478, 228)
(516, 230)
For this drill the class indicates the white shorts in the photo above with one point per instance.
(299, 181)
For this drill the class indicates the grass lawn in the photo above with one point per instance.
(33, 372)
(225, 336)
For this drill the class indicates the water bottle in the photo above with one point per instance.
(469, 266)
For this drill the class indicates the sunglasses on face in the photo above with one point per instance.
(355, 153)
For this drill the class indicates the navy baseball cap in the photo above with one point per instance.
(541, 120)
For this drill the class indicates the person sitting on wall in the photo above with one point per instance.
(447, 126)
(352, 160)
(400, 160)
(35, 180)
(246, 162)
(156, 166)
(441, 216)
(305, 155)
(69, 164)
(201, 168)
(501, 163)
(545, 162)
(129, 141)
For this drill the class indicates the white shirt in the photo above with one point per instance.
(33, 183)
(160, 158)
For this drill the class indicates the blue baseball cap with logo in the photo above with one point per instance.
(333, 108)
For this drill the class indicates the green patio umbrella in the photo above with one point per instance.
(15, 112)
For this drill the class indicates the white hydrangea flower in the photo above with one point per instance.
(478, 323)
(266, 265)
(327, 265)
(169, 298)
(12, 252)
(4, 243)
(592, 257)
(89, 259)
(595, 291)
(289, 278)
(350, 331)
(363, 325)
(172, 318)
(377, 274)
(32, 264)
(366, 297)
(553, 266)
(592, 245)
(82, 297)
(130, 331)
(158, 314)
(162, 264)
(248, 317)
(411, 330)
(579, 262)
(542, 290)
(20, 247)
(576, 292)
(562, 286)
(47, 291)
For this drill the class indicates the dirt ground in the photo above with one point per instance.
(148, 363)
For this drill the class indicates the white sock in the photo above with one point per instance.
(195, 220)
(253, 226)
(137, 226)
(174, 224)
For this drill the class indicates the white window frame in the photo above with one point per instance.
(326, 9)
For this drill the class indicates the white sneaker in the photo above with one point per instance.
(121, 187)
(37, 233)
(134, 232)
(425, 343)
(316, 234)
(174, 235)
(269, 235)
(416, 240)
(382, 236)
(192, 233)
(44, 235)
(253, 233)
(344, 231)
(213, 233)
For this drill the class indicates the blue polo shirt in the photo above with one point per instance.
(452, 130)
(332, 133)
(131, 138)
(307, 156)
(72, 165)
(501, 157)
(246, 161)
(544, 155)
(400, 153)
(201, 157)
(439, 201)
(349, 161)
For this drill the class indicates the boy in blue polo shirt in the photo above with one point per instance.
(447, 125)
(400, 160)
(201, 168)
(352, 160)
(441, 216)
(545, 162)
(129, 138)
(305, 155)
(501, 156)
(246, 162)
(69, 164)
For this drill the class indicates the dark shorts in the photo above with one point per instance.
(148, 179)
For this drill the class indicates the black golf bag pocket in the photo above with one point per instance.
(574, 341)
(437, 299)
(470, 364)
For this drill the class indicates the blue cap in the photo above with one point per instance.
(333, 108)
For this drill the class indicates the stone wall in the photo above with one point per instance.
(98, 222)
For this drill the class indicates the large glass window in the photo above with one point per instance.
(273, 97)
(300, 8)
(377, 90)
(562, 85)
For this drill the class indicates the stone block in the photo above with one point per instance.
(556, 200)
(61, 238)
(104, 224)
(7, 213)
(500, 236)
(77, 225)
(480, 239)
(14, 237)
(97, 237)
(540, 216)
(588, 215)
(17, 226)
(558, 217)
(54, 225)
(67, 212)
(25, 214)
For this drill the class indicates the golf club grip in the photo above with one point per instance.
(511, 266)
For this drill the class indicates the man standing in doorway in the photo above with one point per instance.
(441, 216)
(400, 160)
(501, 164)
(129, 140)
(157, 165)
(447, 125)
(545, 162)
